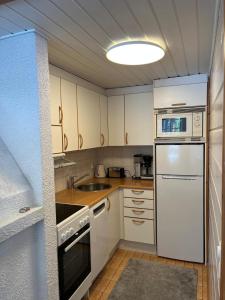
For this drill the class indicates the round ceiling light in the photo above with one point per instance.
(135, 53)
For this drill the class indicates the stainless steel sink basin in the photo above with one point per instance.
(93, 187)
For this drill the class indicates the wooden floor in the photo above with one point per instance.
(107, 279)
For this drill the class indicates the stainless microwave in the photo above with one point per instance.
(174, 124)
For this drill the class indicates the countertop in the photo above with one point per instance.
(74, 196)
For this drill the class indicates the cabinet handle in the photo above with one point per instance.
(138, 212)
(179, 104)
(138, 222)
(102, 139)
(137, 191)
(138, 202)
(60, 115)
(109, 204)
(126, 138)
(65, 141)
(81, 141)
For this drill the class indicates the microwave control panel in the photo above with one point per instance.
(197, 124)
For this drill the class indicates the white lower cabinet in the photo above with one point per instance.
(99, 237)
(139, 230)
(113, 221)
(139, 216)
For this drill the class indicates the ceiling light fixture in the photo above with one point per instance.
(135, 53)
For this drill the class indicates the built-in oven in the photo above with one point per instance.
(74, 250)
(74, 258)
(180, 124)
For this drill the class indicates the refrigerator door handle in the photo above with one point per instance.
(167, 177)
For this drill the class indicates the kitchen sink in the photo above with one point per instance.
(93, 187)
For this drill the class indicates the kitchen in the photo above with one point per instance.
(111, 168)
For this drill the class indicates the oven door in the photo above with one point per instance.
(174, 125)
(74, 262)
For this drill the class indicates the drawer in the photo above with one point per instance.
(138, 213)
(139, 203)
(139, 230)
(138, 193)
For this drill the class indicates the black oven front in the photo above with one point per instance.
(74, 260)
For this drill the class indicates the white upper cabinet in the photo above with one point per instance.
(56, 139)
(180, 95)
(104, 120)
(116, 120)
(55, 100)
(139, 119)
(69, 108)
(88, 118)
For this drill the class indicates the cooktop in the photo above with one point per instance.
(64, 211)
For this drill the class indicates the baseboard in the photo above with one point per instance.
(134, 246)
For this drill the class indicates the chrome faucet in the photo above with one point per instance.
(72, 181)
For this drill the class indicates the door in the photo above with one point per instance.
(113, 221)
(116, 120)
(182, 159)
(104, 120)
(69, 108)
(180, 233)
(99, 249)
(139, 119)
(56, 139)
(55, 100)
(88, 118)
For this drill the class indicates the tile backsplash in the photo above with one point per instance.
(87, 159)
(121, 156)
(85, 162)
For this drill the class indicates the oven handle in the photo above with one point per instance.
(77, 240)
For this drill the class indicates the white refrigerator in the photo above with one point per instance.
(180, 201)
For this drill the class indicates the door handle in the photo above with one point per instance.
(137, 192)
(138, 222)
(60, 115)
(138, 212)
(81, 141)
(75, 241)
(65, 141)
(179, 104)
(126, 138)
(109, 204)
(102, 139)
(138, 202)
(180, 177)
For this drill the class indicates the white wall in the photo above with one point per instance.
(215, 156)
(29, 259)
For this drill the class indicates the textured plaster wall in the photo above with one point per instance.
(28, 260)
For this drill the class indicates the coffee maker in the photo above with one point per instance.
(143, 166)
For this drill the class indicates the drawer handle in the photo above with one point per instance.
(138, 212)
(137, 192)
(138, 222)
(138, 202)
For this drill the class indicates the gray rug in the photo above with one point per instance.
(145, 280)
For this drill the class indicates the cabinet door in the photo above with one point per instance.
(69, 108)
(88, 118)
(104, 120)
(116, 120)
(180, 95)
(139, 119)
(55, 100)
(56, 139)
(113, 220)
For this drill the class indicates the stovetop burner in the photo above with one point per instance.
(64, 211)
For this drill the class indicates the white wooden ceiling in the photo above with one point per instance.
(80, 31)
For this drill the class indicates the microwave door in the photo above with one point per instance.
(174, 125)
